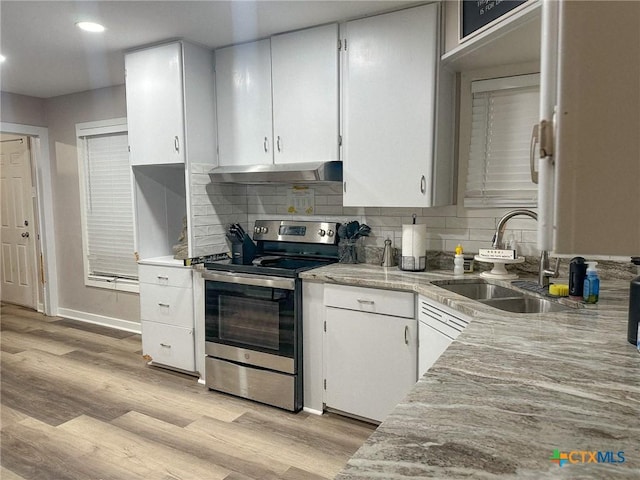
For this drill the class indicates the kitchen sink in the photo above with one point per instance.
(526, 304)
(502, 298)
(479, 290)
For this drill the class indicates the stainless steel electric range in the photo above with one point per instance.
(253, 311)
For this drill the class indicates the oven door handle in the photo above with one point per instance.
(247, 279)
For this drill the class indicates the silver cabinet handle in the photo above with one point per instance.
(266, 145)
(278, 144)
(344, 186)
(166, 305)
(176, 144)
(423, 184)
(406, 334)
(532, 154)
(366, 302)
(165, 345)
(162, 277)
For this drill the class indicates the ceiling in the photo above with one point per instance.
(48, 56)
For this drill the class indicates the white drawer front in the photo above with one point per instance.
(170, 305)
(168, 276)
(169, 345)
(387, 302)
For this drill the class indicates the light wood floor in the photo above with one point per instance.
(79, 402)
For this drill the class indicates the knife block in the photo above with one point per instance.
(243, 253)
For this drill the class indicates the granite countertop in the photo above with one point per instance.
(511, 390)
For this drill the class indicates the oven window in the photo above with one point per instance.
(254, 317)
(249, 321)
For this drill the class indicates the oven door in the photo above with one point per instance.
(252, 319)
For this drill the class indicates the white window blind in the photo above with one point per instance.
(108, 204)
(504, 112)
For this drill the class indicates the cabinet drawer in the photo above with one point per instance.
(171, 276)
(399, 304)
(169, 345)
(170, 305)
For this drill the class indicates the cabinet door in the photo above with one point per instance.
(389, 85)
(155, 112)
(370, 361)
(243, 102)
(589, 84)
(305, 95)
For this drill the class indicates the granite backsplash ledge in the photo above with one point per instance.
(438, 260)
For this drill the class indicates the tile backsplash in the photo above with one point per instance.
(213, 206)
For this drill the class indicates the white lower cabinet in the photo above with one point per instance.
(167, 314)
(370, 359)
(169, 345)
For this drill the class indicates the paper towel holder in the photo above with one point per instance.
(418, 261)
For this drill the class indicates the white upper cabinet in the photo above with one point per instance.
(155, 104)
(389, 108)
(277, 99)
(170, 101)
(590, 177)
(305, 95)
(243, 93)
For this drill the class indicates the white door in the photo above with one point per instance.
(370, 361)
(17, 218)
(155, 105)
(590, 83)
(243, 102)
(389, 93)
(305, 95)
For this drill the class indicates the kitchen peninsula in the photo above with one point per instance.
(511, 393)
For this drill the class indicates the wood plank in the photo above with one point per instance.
(140, 455)
(30, 388)
(93, 328)
(6, 474)
(60, 454)
(26, 341)
(202, 446)
(9, 416)
(255, 441)
(319, 435)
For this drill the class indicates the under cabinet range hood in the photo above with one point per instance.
(279, 173)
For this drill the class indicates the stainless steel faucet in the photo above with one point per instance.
(544, 272)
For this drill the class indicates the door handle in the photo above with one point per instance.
(176, 144)
(532, 154)
(25, 235)
(266, 145)
(406, 334)
(278, 144)
(423, 185)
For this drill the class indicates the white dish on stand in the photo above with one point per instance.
(499, 271)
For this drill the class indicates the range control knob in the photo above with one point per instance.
(256, 229)
(321, 232)
(264, 229)
(330, 233)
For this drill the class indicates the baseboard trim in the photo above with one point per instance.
(312, 411)
(126, 325)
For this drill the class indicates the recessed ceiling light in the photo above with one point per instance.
(90, 27)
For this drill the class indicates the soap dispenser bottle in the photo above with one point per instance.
(634, 306)
(458, 261)
(591, 284)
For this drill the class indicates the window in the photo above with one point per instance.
(107, 205)
(504, 111)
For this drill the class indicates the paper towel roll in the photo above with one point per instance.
(414, 247)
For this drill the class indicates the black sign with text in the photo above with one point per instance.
(478, 13)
